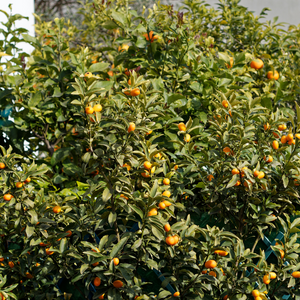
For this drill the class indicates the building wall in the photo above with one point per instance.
(287, 11)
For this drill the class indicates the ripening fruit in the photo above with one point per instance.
(227, 150)
(176, 239)
(48, 252)
(27, 180)
(152, 212)
(221, 252)
(170, 240)
(7, 197)
(127, 166)
(131, 127)
(273, 275)
(235, 171)
(97, 107)
(225, 297)
(162, 205)
(149, 132)
(237, 183)
(101, 297)
(292, 142)
(176, 294)
(296, 274)
(146, 174)
(210, 264)
(210, 177)
(297, 135)
(261, 175)
(273, 75)
(28, 275)
(11, 264)
(69, 232)
(89, 110)
(167, 194)
(225, 103)
(97, 281)
(181, 127)
(256, 173)
(19, 184)
(187, 138)
(255, 293)
(283, 139)
(95, 264)
(269, 159)
(166, 181)
(289, 137)
(175, 167)
(117, 284)
(212, 273)
(258, 298)
(2, 166)
(127, 93)
(56, 209)
(167, 203)
(256, 64)
(167, 227)
(135, 92)
(281, 254)
(147, 165)
(88, 74)
(281, 127)
(275, 145)
(267, 126)
(266, 279)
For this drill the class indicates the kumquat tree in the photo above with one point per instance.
(150, 155)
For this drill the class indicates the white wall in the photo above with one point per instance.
(287, 10)
(24, 8)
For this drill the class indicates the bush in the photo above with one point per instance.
(164, 142)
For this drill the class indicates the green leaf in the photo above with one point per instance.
(137, 210)
(197, 87)
(101, 86)
(34, 216)
(63, 246)
(112, 218)
(233, 181)
(266, 102)
(285, 181)
(110, 25)
(295, 223)
(172, 98)
(60, 155)
(35, 99)
(118, 247)
(154, 189)
(83, 268)
(98, 67)
(106, 195)
(30, 39)
(120, 17)
(29, 230)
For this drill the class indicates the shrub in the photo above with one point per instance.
(161, 118)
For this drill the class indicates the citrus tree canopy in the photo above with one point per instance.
(156, 143)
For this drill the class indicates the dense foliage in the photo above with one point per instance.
(166, 140)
